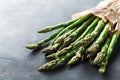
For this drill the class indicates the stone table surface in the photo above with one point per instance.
(19, 21)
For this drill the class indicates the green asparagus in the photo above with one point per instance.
(86, 40)
(87, 37)
(79, 21)
(51, 56)
(77, 33)
(52, 48)
(92, 26)
(101, 55)
(57, 62)
(91, 37)
(59, 40)
(37, 45)
(77, 55)
(61, 25)
(104, 63)
(95, 47)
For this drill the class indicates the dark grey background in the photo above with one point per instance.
(19, 21)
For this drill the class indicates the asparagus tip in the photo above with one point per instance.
(50, 65)
(40, 69)
(69, 63)
(30, 46)
(41, 31)
(48, 57)
(99, 58)
(73, 61)
(51, 56)
(102, 70)
(38, 32)
(44, 50)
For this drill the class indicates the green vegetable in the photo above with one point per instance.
(77, 33)
(83, 42)
(79, 21)
(96, 46)
(57, 62)
(79, 53)
(101, 55)
(37, 45)
(58, 42)
(61, 25)
(104, 63)
(77, 56)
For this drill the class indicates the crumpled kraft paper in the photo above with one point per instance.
(107, 10)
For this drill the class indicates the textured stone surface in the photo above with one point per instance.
(19, 21)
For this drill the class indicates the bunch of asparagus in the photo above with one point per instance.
(85, 38)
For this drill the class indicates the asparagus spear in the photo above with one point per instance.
(86, 40)
(61, 25)
(51, 56)
(101, 55)
(37, 45)
(78, 54)
(57, 62)
(62, 38)
(51, 49)
(97, 44)
(91, 37)
(50, 65)
(79, 21)
(104, 63)
(92, 26)
(72, 61)
(77, 33)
